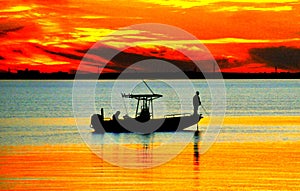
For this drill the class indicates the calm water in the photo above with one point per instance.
(42, 149)
(40, 112)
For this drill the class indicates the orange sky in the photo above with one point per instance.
(247, 35)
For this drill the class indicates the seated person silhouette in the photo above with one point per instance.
(116, 115)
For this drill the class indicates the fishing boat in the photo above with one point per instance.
(144, 121)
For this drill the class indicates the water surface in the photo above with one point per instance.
(257, 149)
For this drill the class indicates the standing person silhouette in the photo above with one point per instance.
(196, 102)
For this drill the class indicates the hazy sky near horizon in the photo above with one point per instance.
(242, 35)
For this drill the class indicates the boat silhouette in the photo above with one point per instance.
(144, 121)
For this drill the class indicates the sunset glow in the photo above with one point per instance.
(54, 35)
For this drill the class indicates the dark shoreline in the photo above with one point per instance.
(190, 75)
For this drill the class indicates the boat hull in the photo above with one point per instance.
(129, 125)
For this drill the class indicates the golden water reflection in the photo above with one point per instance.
(271, 166)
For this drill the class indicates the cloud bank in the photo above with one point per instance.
(281, 57)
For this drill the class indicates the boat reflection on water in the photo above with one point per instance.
(197, 136)
(134, 150)
(130, 150)
(196, 164)
(147, 146)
